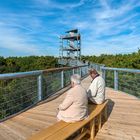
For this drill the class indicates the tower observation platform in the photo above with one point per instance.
(70, 48)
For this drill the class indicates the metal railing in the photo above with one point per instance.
(20, 91)
(126, 80)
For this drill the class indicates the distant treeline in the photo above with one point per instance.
(29, 63)
(120, 60)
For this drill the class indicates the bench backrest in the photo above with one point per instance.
(62, 130)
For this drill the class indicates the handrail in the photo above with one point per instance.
(121, 69)
(19, 74)
(20, 91)
(33, 73)
(98, 64)
(123, 79)
(62, 68)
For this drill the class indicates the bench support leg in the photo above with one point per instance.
(92, 129)
(105, 113)
(99, 121)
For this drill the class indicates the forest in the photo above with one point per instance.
(127, 82)
(29, 63)
(20, 93)
(119, 60)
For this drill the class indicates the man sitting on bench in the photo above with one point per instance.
(96, 91)
(75, 105)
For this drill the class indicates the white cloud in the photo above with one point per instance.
(36, 30)
(111, 23)
(24, 34)
(109, 12)
(12, 40)
(63, 6)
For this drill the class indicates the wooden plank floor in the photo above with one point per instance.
(123, 122)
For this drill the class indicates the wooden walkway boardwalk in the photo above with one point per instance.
(123, 122)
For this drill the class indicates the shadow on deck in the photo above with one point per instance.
(123, 122)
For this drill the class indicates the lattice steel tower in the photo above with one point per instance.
(70, 45)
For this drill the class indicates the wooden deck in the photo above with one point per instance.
(123, 122)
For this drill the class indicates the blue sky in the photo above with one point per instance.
(32, 27)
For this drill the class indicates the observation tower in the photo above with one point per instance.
(70, 48)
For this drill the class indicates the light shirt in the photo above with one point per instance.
(75, 105)
(96, 91)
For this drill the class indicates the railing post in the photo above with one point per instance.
(80, 73)
(62, 79)
(103, 73)
(96, 67)
(87, 69)
(73, 71)
(100, 68)
(39, 80)
(115, 80)
(77, 70)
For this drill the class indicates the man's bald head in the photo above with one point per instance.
(93, 73)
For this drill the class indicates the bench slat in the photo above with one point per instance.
(48, 131)
(73, 127)
(52, 129)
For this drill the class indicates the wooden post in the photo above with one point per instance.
(99, 121)
(105, 113)
(80, 72)
(92, 129)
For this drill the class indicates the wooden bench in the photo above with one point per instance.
(62, 130)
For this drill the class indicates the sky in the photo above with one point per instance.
(33, 27)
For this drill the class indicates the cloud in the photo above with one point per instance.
(106, 26)
(12, 40)
(63, 6)
(109, 12)
(112, 30)
(25, 34)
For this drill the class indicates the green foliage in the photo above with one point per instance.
(21, 64)
(119, 60)
(18, 94)
(128, 82)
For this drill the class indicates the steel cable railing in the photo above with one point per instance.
(20, 91)
(122, 79)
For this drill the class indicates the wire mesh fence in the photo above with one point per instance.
(17, 94)
(23, 90)
(126, 80)
(129, 83)
(67, 75)
(84, 71)
(109, 79)
(51, 83)
(77, 71)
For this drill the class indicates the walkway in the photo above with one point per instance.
(123, 122)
